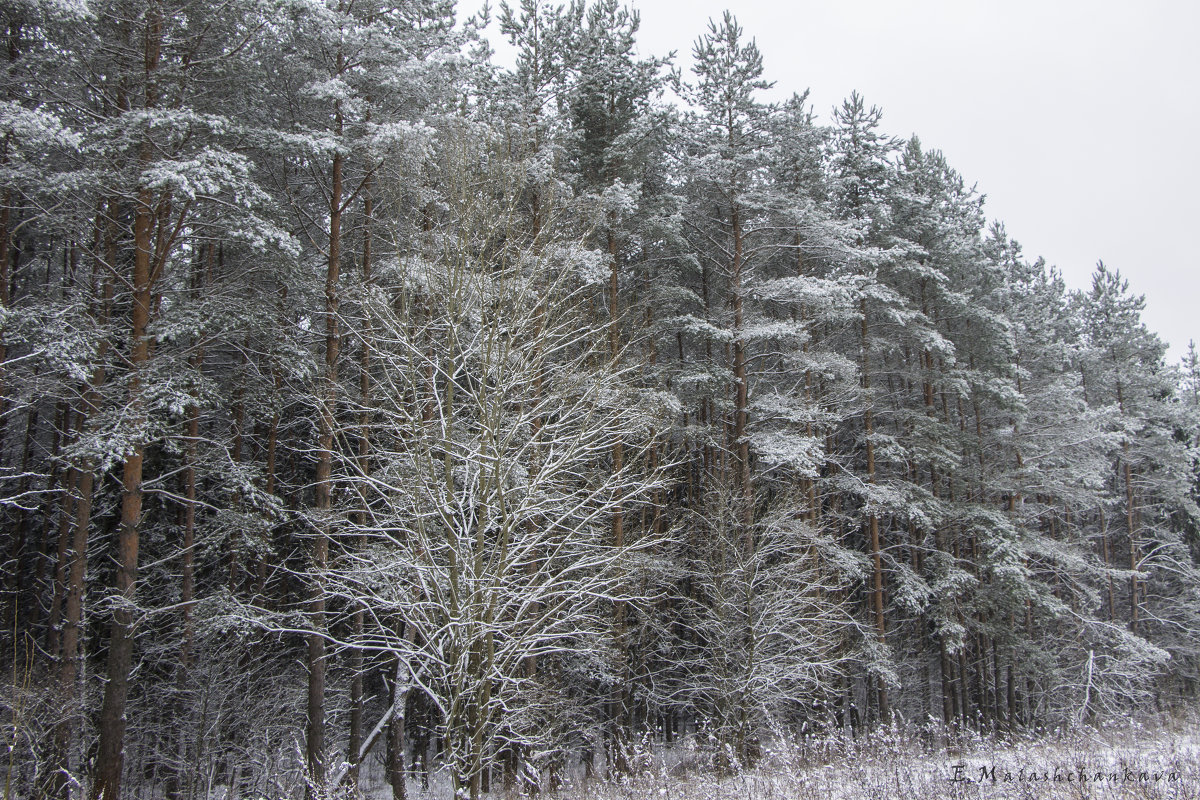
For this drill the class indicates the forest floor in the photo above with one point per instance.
(1125, 759)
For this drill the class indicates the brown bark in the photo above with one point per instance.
(741, 401)
(68, 662)
(1012, 695)
(1130, 521)
(62, 545)
(65, 734)
(873, 518)
(947, 686)
(52, 550)
(187, 583)
(614, 343)
(323, 491)
(27, 552)
(1134, 558)
(619, 712)
(997, 714)
(147, 262)
(364, 423)
(110, 756)
(1107, 555)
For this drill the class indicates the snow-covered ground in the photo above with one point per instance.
(1125, 760)
(1119, 761)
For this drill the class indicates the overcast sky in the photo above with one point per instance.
(1078, 120)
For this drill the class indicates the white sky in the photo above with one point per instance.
(1078, 120)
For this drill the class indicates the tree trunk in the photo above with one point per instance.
(1130, 523)
(107, 784)
(6, 201)
(68, 655)
(187, 589)
(395, 748)
(110, 754)
(68, 661)
(872, 517)
(320, 554)
(62, 548)
(1134, 558)
(741, 402)
(364, 423)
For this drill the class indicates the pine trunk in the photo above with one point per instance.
(364, 429)
(110, 756)
(320, 554)
(741, 402)
(872, 517)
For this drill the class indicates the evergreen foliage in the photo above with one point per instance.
(355, 389)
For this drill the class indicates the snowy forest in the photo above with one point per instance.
(368, 407)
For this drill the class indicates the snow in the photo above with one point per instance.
(1123, 759)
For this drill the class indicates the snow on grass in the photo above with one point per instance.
(1119, 760)
(1116, 761)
